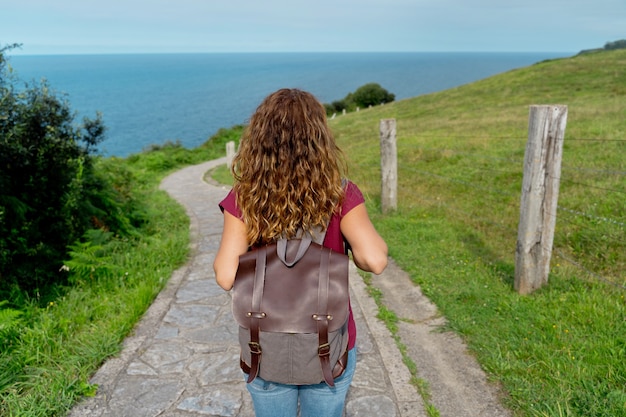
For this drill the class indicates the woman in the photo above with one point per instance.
(288, 176)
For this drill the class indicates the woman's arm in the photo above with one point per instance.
(369, 250)
(234, 243)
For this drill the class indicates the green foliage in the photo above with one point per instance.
(47, 181)
(621, 44)
(114, 277)
(162, 159)
(609, 46)
(90, 261)
(371, 94)
(61, 343)
(10, 320)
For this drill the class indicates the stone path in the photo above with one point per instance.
(182, 358)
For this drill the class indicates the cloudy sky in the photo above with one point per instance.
(140, 26)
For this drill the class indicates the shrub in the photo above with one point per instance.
(621, 44)
(50, 193)
(371, 94)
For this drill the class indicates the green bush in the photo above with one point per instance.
(371, 94)
(621, 44)
(50, 193)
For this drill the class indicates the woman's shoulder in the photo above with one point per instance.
(229, 204)
(352, 197)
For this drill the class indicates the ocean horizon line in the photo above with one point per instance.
(15, 52)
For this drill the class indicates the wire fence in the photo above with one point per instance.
(481, 185)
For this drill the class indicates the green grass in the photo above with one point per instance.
(561, 350)
(462, 150)
(49, 364)
(562, 346)
(51, 345)
(221, 175)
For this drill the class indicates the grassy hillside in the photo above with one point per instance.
(561, 350)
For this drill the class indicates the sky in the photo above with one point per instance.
(187, 26)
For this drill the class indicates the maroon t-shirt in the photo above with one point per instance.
(333, 240)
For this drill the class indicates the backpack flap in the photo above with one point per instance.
(290, 293)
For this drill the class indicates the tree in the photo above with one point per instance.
(372, 94)
(609, 46)
(620, 44)
(46, 180)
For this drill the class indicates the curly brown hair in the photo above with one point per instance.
(288, 168)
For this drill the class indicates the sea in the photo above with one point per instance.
(150, 99)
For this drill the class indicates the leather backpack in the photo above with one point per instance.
(291, 301)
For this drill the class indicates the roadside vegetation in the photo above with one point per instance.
(557, 352)
(52, 342)
(86, 245)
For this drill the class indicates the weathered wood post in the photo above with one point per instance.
(230, 153)
(540, 193)
(388, 165)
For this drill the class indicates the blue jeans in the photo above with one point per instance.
(279, 400)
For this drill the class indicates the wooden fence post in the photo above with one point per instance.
(540, 192)
(230, 153)
(389, 165)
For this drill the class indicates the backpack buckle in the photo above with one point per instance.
(255, 347)
(324, 349)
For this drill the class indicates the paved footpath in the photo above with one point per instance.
(182, 358)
